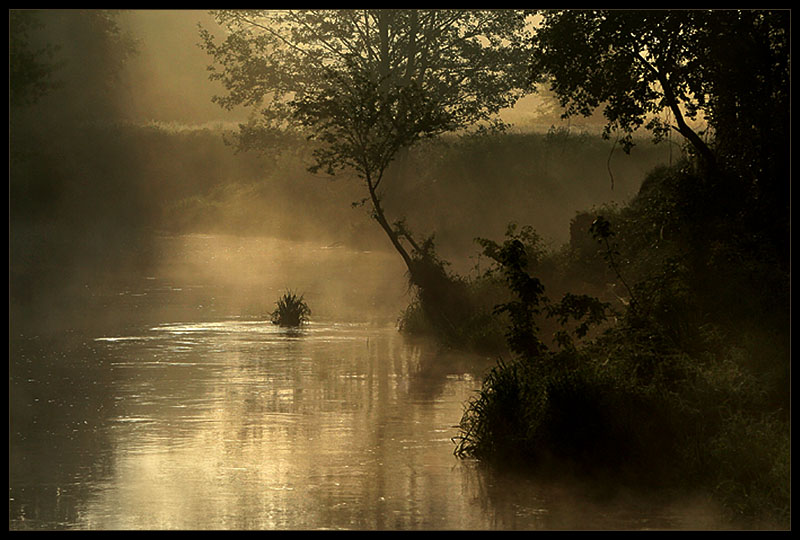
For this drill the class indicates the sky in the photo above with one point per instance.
(169, 77)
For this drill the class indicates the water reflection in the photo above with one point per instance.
(177, 407)
(59, 403)
(509, 501)
(238, 424)
(241, 425)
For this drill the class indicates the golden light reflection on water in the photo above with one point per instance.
(239, 425)
(223, 421)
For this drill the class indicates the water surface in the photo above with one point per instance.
(198, 414)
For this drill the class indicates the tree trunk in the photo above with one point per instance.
(411, 52)
(683, 128)
(380, 217)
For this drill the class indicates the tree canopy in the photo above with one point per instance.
(727, 67)
(71, 59)
(465, 60)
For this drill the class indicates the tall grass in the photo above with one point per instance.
(291, 310)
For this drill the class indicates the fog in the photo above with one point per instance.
(128, 146)
(167, 81)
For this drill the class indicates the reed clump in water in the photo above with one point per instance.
(291, 310)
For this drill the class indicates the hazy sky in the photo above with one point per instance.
(168, 79)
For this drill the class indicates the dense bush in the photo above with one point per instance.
(457, 311)
(686, 390)
(632, 409)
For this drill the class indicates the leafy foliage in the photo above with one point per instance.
(639, 63)
(31, 68)
(74, 56)
(362, 125)
(280, 59)
(515, 259)
(669, 375)
(661, 70)
(512, 257)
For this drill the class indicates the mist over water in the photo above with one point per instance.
(128, 147)
(187, 409)
(149, 389)
(195, 412)
(245, 276)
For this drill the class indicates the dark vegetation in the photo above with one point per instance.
(687, 384)
(666, 362)
(291, 310)
(74, 210)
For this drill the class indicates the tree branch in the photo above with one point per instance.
(672, 102)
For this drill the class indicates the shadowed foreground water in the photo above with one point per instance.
(234, 423)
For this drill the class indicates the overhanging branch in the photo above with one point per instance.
(672, 102)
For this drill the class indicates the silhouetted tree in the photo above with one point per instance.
(74, 207)
(30, 67)
(80, 53)
(729, 68)
(367, 84)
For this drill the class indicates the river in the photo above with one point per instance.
(196, 413)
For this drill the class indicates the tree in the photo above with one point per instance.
(74, 207)
(730, 67)
(80, 53)
(366, 84)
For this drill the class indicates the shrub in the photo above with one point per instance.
(455, 310)
(568, 415)
(671, 395)
(291, 310)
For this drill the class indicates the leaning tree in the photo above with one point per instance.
(366, 84)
